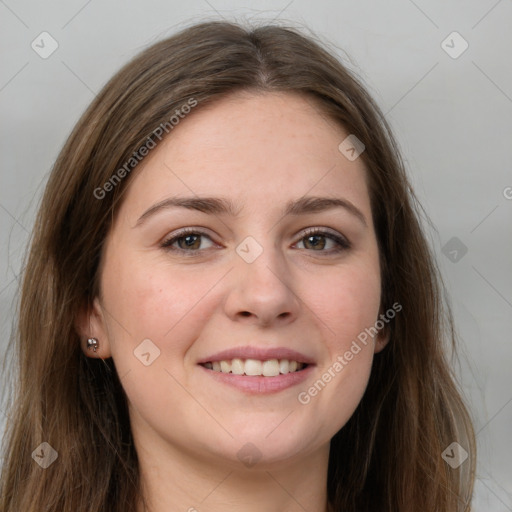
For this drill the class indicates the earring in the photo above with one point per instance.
(92, 342)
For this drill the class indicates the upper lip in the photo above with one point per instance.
(262, 354)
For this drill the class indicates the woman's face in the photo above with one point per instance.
(271, 272)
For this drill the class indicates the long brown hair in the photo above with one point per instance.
(388, 457)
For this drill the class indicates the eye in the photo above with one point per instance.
(317, 240)
(187, 240)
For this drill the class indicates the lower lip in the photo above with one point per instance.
(259, 384)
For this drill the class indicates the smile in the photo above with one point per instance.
(255, 367)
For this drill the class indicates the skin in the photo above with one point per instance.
(260, 151)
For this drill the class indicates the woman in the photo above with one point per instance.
(229, 302)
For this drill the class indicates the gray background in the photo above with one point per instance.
(451, 116)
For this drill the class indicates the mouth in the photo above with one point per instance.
(257, 370)
(256, 367)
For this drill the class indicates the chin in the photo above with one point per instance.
(261, 450)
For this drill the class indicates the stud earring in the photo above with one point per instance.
(92, 343)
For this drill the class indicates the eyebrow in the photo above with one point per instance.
(220, 206)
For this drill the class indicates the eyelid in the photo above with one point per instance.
(322, 230)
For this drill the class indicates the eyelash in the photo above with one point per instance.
(343, 244)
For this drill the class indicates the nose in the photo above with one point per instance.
(262, 292)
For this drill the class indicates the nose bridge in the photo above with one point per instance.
(260, 264)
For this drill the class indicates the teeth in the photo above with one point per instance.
(270, 368)
(284, 366)
(237, 367)
(225, 366)
(254, 367)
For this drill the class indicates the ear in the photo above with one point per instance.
(382, 340)
(91, 323)
(383, 336)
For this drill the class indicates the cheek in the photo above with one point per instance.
(339, 385)
(154, 317)
(154, 301)
(348, 303)
(348, 306)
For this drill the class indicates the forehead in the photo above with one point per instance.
(259, 149)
